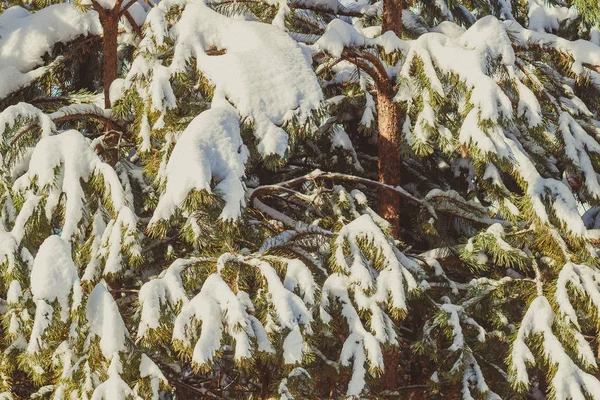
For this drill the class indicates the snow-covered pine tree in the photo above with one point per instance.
(167, 227)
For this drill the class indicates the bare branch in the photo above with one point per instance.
(595, 68)
(133, 24)
(335, 176)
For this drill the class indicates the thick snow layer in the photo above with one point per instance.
(8, 249)
(361, 346)
(120, 233)
(43, 318)
(586, 280)
(595, 35)
(339, 34)
(289, 308)
(372, 291)
(466, 56)
(528, 106)
(54, 274)
(293, 346)
(210, 148)
(298, 275)
(14, 292)
(53, 278)
(496, 141)
(260, 69)
(26, 37)
(105, 321)
(577, 145)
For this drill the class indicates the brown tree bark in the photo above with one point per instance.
(392, 17)
(389, 118)
(109, 19)
(389, 126)
(389, 164)
(110, 62)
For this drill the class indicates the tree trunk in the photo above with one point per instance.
(110, 26)
(388, 143)
(392, 17)
(389, 126)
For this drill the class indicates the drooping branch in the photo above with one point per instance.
(372, 66)
(125, 8)
(134, 25)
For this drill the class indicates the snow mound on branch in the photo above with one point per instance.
(545, 17)
(53, 278)
(339, 34)
(149, 369)
(362, 287)
(105, 321)
(210, 148)
(54, 274)
(259, 68)
(8, 249)
(466, 56)
(391, 279)
(488, 36)
(26, 37)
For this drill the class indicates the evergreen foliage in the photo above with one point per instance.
(214, 232)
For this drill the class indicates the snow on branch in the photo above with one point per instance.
(114, 388)
(162, 294)
(53, 279)
(392, 277)
(489, 130)
(258, 68)
(373, 273)
(220, 311)
(41, 30)
(210, 148)
(583, 52)
(58, 166)
(11, 116)
(585, 281)
(569, 380)
(105, 321)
